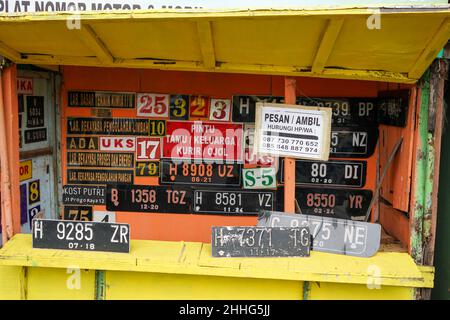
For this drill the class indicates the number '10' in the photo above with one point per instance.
(157, 128)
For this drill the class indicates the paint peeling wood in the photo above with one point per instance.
(438, 78)
(427, 154)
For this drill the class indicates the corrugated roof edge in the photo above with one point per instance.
(238, 12)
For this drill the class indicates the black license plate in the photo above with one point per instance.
(329, 173)
(339, 236)
(353, 142)
(244, 106)
(220, 174)
(140, 198)
(232, 202)
(260, 242)
(79, 235)
(393, 108)
(339, 203)
(346, 112)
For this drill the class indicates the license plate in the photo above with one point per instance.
(339, 203)
(260, 242)
(346, 112)
(232, 202)
(331, 235)
(393, 108)
(79, 235)
(329, 173)
(244, 106)
(219, 174)
(353, 142)
(140, 198)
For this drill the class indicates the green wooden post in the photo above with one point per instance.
(421, 170)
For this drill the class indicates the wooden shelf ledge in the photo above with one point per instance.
(192, 258)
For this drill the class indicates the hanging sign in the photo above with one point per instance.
(35, 112)
(193, 173)
(25, 86)
(25, 170)
(259, 178)
(84, 143)
(140, 198)
(293, 131)
(346, 112)
(394, 110)
(101, 99)
(100, 159)
(78, 213)
(244, 106)
(179, 107)
(153, 105)
(83, 195)
(116, 143)
(199, 107)
(220, 110)
(232, 202)
(104, 216)
(148, 148)
(35, 135)
(97, 176)
(260, 242)
(80, 235)
(338, 203)
(250, 155)
(348, 142)
(203, 140)
(147, 169)
(330, 173)
(116, 126)
(353, 238)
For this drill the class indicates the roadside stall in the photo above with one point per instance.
(146, 121)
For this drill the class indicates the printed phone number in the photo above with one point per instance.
(295, 145)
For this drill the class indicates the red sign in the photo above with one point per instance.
(203, 140)
(153, 105)
(148, 148)
(24, 86)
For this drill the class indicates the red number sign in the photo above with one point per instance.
(153, 105)
(148, 148)
(220, 110)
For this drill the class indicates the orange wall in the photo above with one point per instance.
(190, 227)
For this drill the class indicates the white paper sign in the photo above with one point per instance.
(104, 216)
(293, 131)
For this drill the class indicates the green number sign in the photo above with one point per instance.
(259, 178)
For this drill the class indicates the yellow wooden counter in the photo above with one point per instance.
(186, 270)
